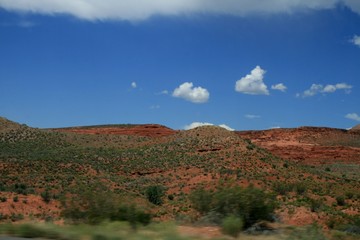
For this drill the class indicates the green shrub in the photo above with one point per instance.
(95, 205)
(155, 194)
(201, 200)
(131, 214)
(46, 196)
(282, 188)
(340, 200)
(300, 188)
(349, 195)
(171, 197)
(312, 232)
(315, 204)
(16, 199)
(232, 226)
(30, 231)
(249, 204)
(3, 199)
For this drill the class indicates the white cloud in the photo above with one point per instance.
(329, 88)
(200, 124)
(280, 86)
(192, 94)
(133, 85)
(251, 116)
(353, 116)
(356, 40)
(143, 9)
(253, 83)
(314, 89)
(275, 127)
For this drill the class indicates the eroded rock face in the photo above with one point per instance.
(145, 130)
(309, 145)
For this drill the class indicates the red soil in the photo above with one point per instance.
(145, 130)
(309, 145)
(29, 206)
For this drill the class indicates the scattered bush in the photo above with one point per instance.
(16, 199)
(310, 232)
(30, 231)
(132, 215)
(201, 200)
(171, 197)
(340, 200)
(249, 204)
(282, 188)
(46, 196)
(300, 188)
(96, 205)
(315, 204)
(349, 195)
(3, 199)
(155, 194)
(232, 226)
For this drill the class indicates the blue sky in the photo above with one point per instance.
(245, 64)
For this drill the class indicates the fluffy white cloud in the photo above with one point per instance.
(356, 40)
(200, 124)
(353, 116)
(192, 94)
(280, 86)
(133, 85)
(143, 9)
(251, 116)
(253, 83)
(319, 88)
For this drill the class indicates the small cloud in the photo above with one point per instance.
(133, 85)
(319, 88)
(226, 127)
(200, 124)
(165, 92)
(356, 40)
(253, 83)
(280, 86)
(154, 107)
(251, 116)
(193, 94)
(353, 116)
(275, 127)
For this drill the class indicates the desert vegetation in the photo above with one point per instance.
(207, 176)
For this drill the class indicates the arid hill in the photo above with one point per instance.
(309, 145)
(357, 127)
(7, 125)
(127, 159)
(145, 130)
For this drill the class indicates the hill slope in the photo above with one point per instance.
(309, 145)
(145, 130)
(68, 163)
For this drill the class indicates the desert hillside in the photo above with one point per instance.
(309, 145)
(313, 173)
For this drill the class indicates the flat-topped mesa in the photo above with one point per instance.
(145, 130)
